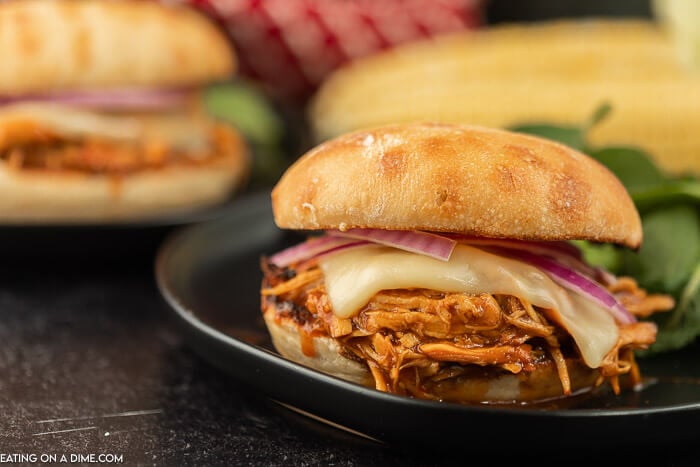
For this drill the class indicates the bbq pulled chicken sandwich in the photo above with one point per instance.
(101, 115)
(438, 265)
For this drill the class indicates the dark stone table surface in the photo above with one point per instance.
(91, 364)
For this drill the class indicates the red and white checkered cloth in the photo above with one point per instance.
(290, 46)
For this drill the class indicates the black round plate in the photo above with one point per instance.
(209, 274)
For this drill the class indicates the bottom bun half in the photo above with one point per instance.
(45, 196)
(482, 385)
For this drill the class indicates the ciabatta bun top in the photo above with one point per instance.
(48, 46)
(456, 178)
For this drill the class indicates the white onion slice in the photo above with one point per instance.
(577, 282)
(425, 243)
(113, 99)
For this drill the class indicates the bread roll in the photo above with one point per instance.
(49, 46)
(456, 178)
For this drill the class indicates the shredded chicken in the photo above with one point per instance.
(412, 337)
(637, 301)
(100, 155)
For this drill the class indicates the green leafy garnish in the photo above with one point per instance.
(632, 166)
(605, 255)
(248, 109)
(669, 259)
(572, 136)
(671, 249)
(664, 194)
(680, 327)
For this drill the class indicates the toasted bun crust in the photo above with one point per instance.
(49, 46)
(539, 385)
(327, 352)
(456, 178)
(44, 196)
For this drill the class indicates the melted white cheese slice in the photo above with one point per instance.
(353, 277)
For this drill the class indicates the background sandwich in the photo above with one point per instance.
(101, 116)
(443, 268)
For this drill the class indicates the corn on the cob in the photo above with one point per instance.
(556, 72)
(680, 18)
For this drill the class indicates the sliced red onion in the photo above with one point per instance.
(346, 246)
(554, 248)
(113, 99)
(429, 244)
(308, 249)
(564, 252)
(577, 282)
